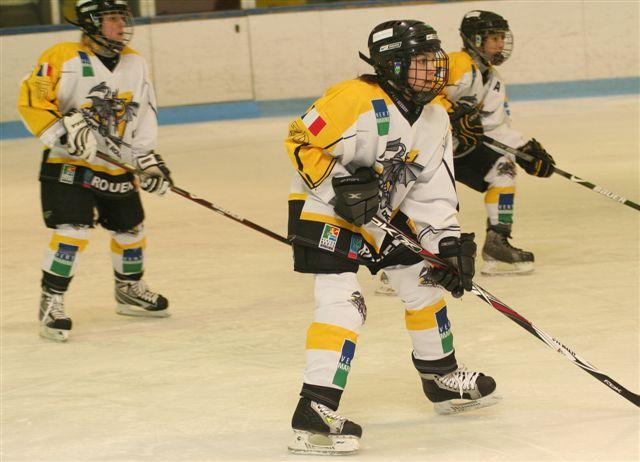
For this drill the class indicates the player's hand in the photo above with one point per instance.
(460, 254)
(80, 140)
(466, 125)
(357, 198)
(542, 163)
(157, 177)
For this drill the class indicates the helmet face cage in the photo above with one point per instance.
(90, 15)
(476, 26)
(392, 46)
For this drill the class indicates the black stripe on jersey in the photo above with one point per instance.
(453, 182)
(338, 140)
(307, 179)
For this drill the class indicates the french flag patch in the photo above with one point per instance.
(44, 70)
(313, 121)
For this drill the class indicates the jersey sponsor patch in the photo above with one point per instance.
(44, 70)
(354, 246)
(87, 68)
(67, 174)
(313, 121)
(382, 116)
(329, 237)
(444, 329)
(344, 365)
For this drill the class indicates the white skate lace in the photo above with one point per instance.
(328, 413)
(140, 289)
(55, 307)
(461, 379)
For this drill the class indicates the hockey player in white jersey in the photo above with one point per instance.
(81, 98)
(477, 100)
(374, 146)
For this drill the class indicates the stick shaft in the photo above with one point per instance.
(513, 315)
(501, 147)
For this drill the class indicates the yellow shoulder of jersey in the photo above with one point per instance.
(344, 102)
(129, 51)
(62, 52)
(460, 62)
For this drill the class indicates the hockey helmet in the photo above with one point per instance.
(476, 25)
(391, 47)
(89, 15)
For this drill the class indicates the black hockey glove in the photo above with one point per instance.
(460, 253)
(157, 177)
(357, 196)
(466, 125)
(542, 163)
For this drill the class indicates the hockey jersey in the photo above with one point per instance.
(121, 103)
(356, 124)
(466, 80)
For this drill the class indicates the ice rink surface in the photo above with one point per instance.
(218, 381)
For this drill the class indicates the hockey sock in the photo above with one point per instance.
(127, 253)
(332, 337)
(425, 313)
(62, 254)
(499, 197)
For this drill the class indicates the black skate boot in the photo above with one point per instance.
(318, 429)
(54, 323)
(500, 257)
(459, 391)
(135, 299)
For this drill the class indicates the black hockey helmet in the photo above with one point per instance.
(391, 46)
(89, 14)
(476, 25)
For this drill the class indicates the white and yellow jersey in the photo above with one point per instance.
(356, 124)
(121, 102)
(466, 80)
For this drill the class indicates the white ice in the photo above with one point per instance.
(218, 381)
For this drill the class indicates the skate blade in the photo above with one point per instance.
(458, 406)
(497, 268)
(129, 310)
(323, 445)
(58, 335)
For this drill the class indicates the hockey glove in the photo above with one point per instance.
(542, 163)
(156, 176)
(357, 196)
(457, 277)
(80, 140)
(466, 125)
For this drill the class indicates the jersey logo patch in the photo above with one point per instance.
(44, 70)
(112, 111)
(87, 68)
(354, 247)
(329, 237)
(313, 121)
(67, 174)
(344, 365)
(382, 116)
(497, 87)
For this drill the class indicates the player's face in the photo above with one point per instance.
(422, 71)
(493, 44)
(113, 25)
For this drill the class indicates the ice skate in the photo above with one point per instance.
(135, 299)
(500, 257)
(319, 430)
(54, 323)
(384, 286)
(459, 391)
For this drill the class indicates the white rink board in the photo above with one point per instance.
(218, 381)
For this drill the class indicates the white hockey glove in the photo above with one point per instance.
(80, 140)
(157, 177)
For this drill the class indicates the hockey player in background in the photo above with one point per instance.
(476, 99)
(371, 146)
(81, 98)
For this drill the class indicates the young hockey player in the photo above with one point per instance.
(373, 146)
(477, 95)
(81, 98)
(477, 104)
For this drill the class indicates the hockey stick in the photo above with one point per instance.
(503, 148)
(191, 197)
(512, 314)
